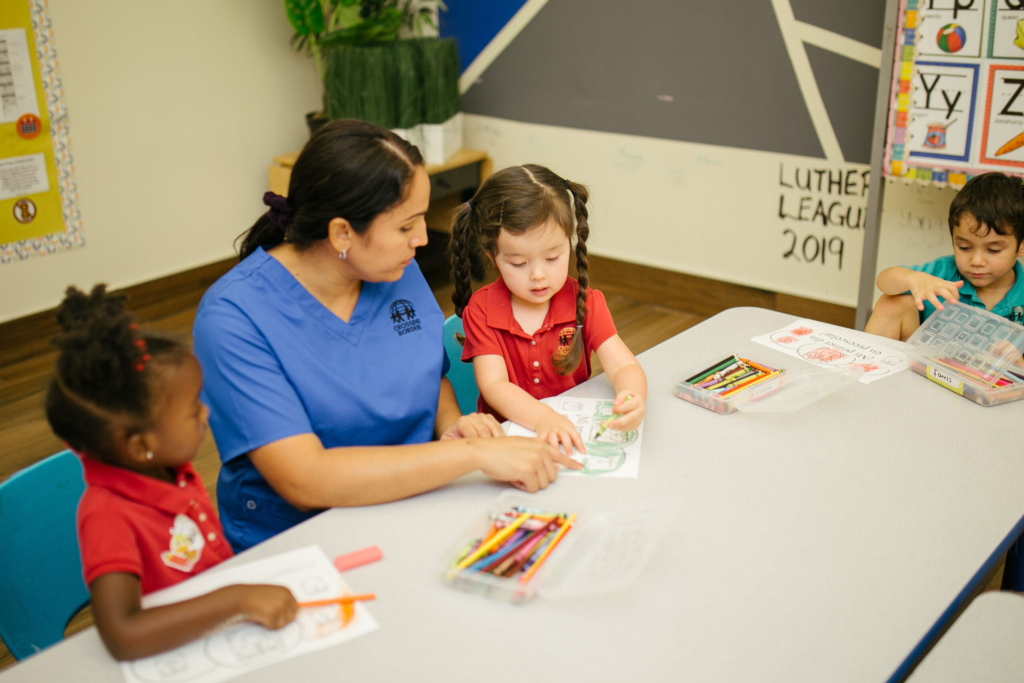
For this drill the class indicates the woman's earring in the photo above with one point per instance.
(149, 455)
(343, 255)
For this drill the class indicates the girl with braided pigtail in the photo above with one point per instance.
(531, 332)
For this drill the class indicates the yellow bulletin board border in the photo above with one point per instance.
(71, 237)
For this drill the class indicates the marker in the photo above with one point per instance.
(615, 416)
(497, 539)
(346, 600)
(554, 543)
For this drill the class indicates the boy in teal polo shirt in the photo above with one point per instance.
(986, 221)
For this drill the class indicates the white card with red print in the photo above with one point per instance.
(242, 648)
(838, 347)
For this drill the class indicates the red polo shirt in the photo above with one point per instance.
(492, 330)
(161, 532)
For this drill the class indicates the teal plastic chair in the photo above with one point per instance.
(41, 585)
(460, 374)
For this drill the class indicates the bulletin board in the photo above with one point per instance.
(957, 102)
(38, 199)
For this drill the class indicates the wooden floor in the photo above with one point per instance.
(25, 437)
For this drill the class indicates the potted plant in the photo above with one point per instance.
(371, 72)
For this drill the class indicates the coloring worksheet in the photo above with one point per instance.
(612, 454)
(245, 647)
(836, 347)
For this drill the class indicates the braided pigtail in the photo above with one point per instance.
(461, 253)
(102, 373)
(569, 361)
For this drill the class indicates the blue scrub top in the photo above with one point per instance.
(277, 363)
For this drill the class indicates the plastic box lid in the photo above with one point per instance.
(973, 338)
(796, 389)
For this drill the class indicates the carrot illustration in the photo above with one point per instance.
(1013, 144)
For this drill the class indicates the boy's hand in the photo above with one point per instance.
(924, 286)
(1005, 349)
(272, 607)
(556, 429)
(631, 412)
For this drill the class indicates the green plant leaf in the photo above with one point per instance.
(305, 16)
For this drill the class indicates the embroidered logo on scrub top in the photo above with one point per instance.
(403, 314)
(186, 544)
(565, 336)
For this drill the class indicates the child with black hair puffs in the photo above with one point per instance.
(530, 333)
(128, 404)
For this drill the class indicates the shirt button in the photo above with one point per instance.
(211, 537)
(536, 364)
(251, 505)
(536, 380)
(534, 342)
(181, 483)
(202, 516)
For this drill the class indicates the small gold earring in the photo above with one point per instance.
(149, 455)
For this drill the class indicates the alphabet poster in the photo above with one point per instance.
(957, 106)
(38, 198)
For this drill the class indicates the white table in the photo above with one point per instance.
(983, 645)
(822, 545)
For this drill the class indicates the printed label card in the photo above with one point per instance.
(941, 118)
(950, 28)
(1002, 138)
(1006, 31)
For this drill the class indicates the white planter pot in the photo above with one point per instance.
(437, 142)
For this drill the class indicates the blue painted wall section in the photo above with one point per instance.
(473, 23)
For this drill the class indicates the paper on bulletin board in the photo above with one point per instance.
(957, 101)
(38, 198)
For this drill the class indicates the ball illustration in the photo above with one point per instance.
(951, 38)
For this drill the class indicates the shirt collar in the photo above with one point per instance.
(140, 488)
(499, 308)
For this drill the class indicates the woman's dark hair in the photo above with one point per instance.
(995, 200)
(349, 169)
(103, 372)
(516, 199)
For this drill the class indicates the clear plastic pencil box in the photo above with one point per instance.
(603, 552)
(800, 385)
(967, 350)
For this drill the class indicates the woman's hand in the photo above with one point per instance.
(631, 412)
(473, 426)
(556, 429)
(271, 607)
(527, 464)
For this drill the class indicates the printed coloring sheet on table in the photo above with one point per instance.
(242, 648)
(613, 454)
(836, 347)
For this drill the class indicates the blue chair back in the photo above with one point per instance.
(460, 374)
(41, 585)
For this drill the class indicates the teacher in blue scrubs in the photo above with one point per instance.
(322, 350)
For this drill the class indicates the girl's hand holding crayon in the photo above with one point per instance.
(631, 407)
(557, 430)
(269, 606)
(473, 426)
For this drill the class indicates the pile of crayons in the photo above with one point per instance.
(1009, 377)
(517, 544)
(732, 375)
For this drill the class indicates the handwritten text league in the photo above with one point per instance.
(829, 197)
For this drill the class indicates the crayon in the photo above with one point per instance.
(714, 368)
(494, 541)
(750, 383)
(559, 535)
(345, 600)
(615, 416)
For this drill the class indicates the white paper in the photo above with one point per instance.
(836, 347)
(25, 175)
(613, 454)
(17, 87)
(243, 648)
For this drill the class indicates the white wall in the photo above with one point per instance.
(175, 111)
